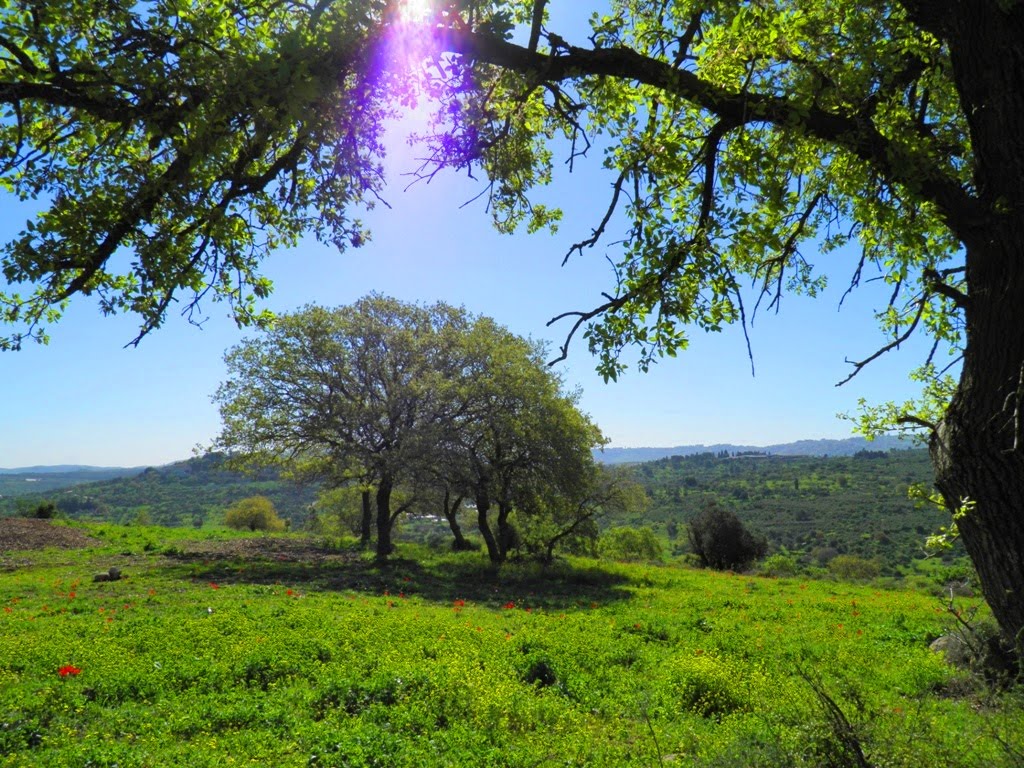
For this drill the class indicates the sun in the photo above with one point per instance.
(414, 11)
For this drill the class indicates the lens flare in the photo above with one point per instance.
(414, 11)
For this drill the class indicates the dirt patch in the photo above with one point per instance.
(308, 550)
(17, 533)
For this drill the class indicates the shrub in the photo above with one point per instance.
(255, 513)
(780, 564)
(630, 545)
(853, 568)
(45, 511)
(720, 540)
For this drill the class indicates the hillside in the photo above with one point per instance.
(183, 493)
(34, 480)
(818, 506)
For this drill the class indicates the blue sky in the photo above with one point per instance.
(85, 399)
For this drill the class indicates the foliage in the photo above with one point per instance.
(847, 504)
(606, 664)
(853, 568)
(630, 545)
(721, 541)
(199, 137)
(780, 564)
(411, 401)
(255, 513)
(45, 510)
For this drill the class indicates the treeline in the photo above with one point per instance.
(818, 506)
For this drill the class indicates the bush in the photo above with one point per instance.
(45, 511)
(255, 513)
(780, 564)
(721, 542)
(853, 568)
(630, 545)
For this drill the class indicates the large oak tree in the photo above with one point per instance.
(744, 138)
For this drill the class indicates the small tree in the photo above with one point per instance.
(255, 513)
(721, 541)
(631, 545)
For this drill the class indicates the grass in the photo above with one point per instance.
(215, 660)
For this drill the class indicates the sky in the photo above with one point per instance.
(87, 399)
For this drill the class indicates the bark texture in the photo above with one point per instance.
(978, 449)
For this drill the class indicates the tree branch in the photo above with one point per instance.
(853, 132)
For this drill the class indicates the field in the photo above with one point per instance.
(217, 650)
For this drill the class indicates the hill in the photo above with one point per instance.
(34, 480)
(815, 505)
(825, 447)
(184, 493)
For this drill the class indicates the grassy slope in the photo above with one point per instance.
(214, 661)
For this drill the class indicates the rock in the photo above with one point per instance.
(113, 574)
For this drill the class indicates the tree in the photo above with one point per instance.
(742, 137)
(255, 513)
(564, 514)
(631, 545)
(720, 540)
(327, 390)
(516, 436)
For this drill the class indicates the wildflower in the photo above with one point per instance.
(509, 605)
(289, 592)
(214, 585)
(71, 595)
(69, 670)
(459, 604)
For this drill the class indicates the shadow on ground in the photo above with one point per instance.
(315, 564)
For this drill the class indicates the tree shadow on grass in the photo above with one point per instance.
(441, 577)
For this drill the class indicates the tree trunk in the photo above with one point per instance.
(384, 545)
(483, 506)
(451, 512)
(366, 522)
(506, 532)
(978, 449)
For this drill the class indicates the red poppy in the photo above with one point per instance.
(509, 605)
(69, 670)
(214, 585)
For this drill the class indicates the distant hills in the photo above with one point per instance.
(66, 469)
(845, 447)
(182, 493)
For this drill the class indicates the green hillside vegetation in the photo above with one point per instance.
(817, 506)
(31, 483)
(214, 649)
(196, 491)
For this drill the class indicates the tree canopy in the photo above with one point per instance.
(189, 139)
(396, 397)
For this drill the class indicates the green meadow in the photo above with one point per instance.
(215, 650)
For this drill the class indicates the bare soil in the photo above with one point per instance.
(17, 533)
